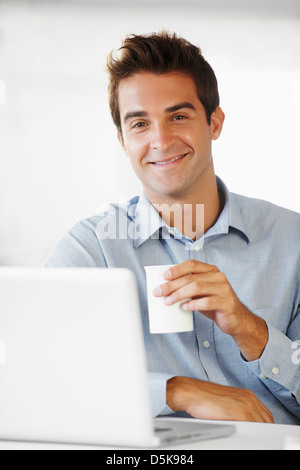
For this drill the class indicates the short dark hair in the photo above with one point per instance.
(161, 53)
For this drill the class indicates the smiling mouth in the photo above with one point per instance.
(169, 161)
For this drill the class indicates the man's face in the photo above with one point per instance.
(165, 134)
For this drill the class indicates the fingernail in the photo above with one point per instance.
(168, 300)
(167, 274)
(157, 291)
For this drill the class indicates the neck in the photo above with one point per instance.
(193, 216)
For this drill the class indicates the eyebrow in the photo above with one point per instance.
(171, 109)
(176, 107)
(134, 114)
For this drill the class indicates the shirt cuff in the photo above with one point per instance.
(276, 362)
(158, 393)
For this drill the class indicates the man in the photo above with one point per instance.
(240, 268)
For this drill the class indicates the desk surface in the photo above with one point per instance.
(248, 436)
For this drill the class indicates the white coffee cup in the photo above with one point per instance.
(165, 318)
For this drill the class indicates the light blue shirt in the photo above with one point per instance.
(256, 245)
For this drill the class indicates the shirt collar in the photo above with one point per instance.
(231, 216)
(148, 223)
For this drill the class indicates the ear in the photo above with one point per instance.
(216, 123)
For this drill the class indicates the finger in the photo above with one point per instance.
(188, 267)
(168, 287)
(193, 289)
(203, 304)
(263, 415)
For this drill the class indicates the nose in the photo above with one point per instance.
(161, 137)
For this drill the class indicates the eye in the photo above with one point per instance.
(179, 117)
(139, 124)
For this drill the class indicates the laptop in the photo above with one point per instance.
(73, 363)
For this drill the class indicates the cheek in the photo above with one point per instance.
(136, 150)
(200, 141)
(191, 136)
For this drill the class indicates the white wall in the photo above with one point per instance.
(59, 156)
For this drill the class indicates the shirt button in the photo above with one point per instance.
(171, 232)
(262, 376)
(275, 371)
(197, 248)
(206, 344)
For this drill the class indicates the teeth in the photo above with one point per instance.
(170, 161)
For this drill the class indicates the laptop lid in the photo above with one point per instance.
(72, 359)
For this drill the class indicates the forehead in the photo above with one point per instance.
(152, 92)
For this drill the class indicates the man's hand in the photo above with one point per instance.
(204, 400)
(213, 296)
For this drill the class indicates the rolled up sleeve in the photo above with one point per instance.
(279, 369)
(158, 393)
